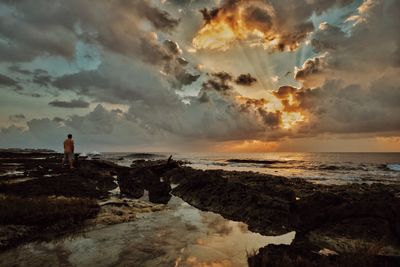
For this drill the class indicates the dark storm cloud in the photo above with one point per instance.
(183, 61)
(175, 65)
(209, 15)
(190, 3)
(42, 78)
(120, 81)
(75, 103)
(219, 81)
(284, 91)
(258, 18)
(271, 119)
(222, 76)
(161, 20)
(185, 78)
(55, 28)
(251, 104)
(17, 118)
(203, 98)
(356, 83)
(6, 81)
(18, 69)
(245, 79)
(328, 38)
(32, 31)
(172, 47)
(36, 95)
(58, 119)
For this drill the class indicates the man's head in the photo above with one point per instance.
(69, 136)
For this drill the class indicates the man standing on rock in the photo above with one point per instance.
(69, 151)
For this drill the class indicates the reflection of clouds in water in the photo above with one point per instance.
(244, 228)
(216, 224)
(180, 235)
(194, 262)
(191, 227)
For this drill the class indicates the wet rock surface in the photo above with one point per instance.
(41, 174)
(344, 219)
(302, 253)
(40, 199)
(332, 217)
(148, 175)
(340, 218)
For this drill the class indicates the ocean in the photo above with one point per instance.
(320, 168)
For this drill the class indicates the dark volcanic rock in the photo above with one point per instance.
(41, 199)
(47, 177)
(160, 193)
(237, 201)
(148, 175)
(23, 219)
(143, 155)
(303, 254)
(323, 215)
(332, 217)
(130, 187)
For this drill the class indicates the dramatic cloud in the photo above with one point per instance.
(120, 80)
(138, 61)
(223, 81)
(42, 78)
(17, 118)
(219, 81)
(337, 108)
(245, 79)
(58, 119)
(18, 69)
(368, 51)
(280, 25)
(355, 78)
(35, 31)
(313, 72)
(6, 81)
(75, 103)
(91, 132)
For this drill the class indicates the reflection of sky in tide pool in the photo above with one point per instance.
(178, 236)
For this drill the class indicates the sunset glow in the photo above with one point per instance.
(163, 75)
(214, 36)
(290, 119)
(235, 25)
(200, 133)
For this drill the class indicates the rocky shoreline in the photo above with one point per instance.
(40, 200)
(348, 222)
(356, 225)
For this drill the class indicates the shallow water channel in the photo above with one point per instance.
(180, 235)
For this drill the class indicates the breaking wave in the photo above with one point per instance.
(393, 167)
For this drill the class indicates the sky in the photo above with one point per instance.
(201, 75)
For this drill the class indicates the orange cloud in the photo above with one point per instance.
(283, 103)
(253, 22)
